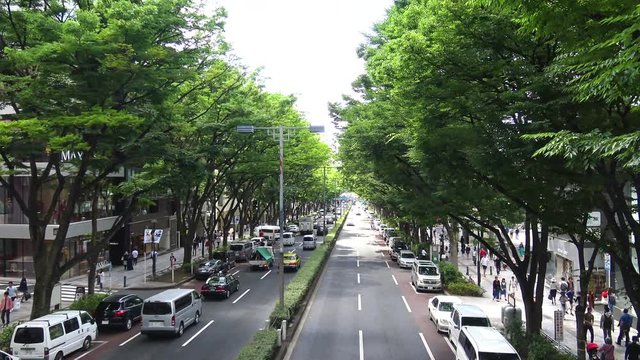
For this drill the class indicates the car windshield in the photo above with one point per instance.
(219, 255)
(29, 335)
(108, 306)
(407, 255)
(236, 247)
(427, 270)
(290, 257)
(497, 356)
(475, 321)
(400, 246)
(446, 306)
(217, 281)
(156, 308)
(207, 264)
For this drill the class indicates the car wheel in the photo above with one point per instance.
(197, 318)
(181, 329)
(86, 344)
(128, 324)
(59, 356)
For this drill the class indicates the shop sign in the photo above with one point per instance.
(103, 265)
(151, 235)
(594, 219)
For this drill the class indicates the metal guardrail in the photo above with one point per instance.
(561, 347)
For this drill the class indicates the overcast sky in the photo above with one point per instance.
(306, 48)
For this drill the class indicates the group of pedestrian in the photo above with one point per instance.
(502, 290)
(8, 303)
(130, 260)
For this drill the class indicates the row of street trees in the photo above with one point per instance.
(488, 114)
(146, 86)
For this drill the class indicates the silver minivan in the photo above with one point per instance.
(171, 311)
(243, 250)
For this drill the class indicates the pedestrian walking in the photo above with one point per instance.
(496, 289)
(467, 250)
(6, 307)
(606, 323)
(553, 291)
(485, 263)
(588, 324)
(607, 351)
(483, 253)
(24, 289)
(570, 283)
(591, 299)
(563, 303)
(194, 250)
(134, 255)
(625, 325)
(424, 253)
(633, 350)
(172, 260)
(521, 250)
(564, 286)
(99, 278)
(496, 262)
(125, 258)
(570, 300)
(513, 286)
(13, 292)
(503, 288)
(611, 299)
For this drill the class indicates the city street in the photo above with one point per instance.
(365, 306)
(225, 325)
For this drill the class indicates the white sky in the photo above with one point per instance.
(306, 48)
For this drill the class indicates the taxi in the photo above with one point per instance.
(292, 261)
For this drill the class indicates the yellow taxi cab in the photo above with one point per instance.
(292, 261)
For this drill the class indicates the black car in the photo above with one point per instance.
(119, 310)
(208, 268)
(220, 286)
(228, 258)
(322, 230)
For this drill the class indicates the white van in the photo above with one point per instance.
(465, 315)
(484, 343)
(288, 239)
(171, 311)
(425, 275)
(54, 336)
(308, 242)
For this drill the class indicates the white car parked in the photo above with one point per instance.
(406, 259)
(440, 308)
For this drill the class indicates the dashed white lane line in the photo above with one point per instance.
(386, 262)
(240, 297)
(198, 333)
(406, 303)
(394, 279)
(358, 278)
(361, 341)
(93, 348)
(131, 338)
(235, 272)
(265, 275)
(358, 263)
(426, 346)
(359, 302)
(446, 339)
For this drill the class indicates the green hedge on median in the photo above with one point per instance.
(5, 336)
(88, 303)
(263, 346)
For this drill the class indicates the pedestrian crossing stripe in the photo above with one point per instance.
(68, 292)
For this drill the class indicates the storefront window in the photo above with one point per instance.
(16, 258)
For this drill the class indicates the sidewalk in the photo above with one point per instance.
(113, 281)
(494, 310)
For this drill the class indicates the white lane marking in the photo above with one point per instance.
(235, 272)
(426, 346)
(446, 339)
(293, 250)
(413, 287)
(300, 245)
(265, 275)
(406, 303)
(93, 348)
(361, 344)
(198, 333)
(358, 278)
(240, 297)
(359, 302)
(131, 338)
(358, 263)
(394, 279)
(386, 262)
(358, 253)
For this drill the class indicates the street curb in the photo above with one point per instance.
(162, 287)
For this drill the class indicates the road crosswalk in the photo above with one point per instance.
(68, 292)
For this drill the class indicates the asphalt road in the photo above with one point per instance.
(225, 325)
(365, 306)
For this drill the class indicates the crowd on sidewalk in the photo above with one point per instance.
(500, 284)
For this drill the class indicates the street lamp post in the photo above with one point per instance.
(279, 132)
(153, 248)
